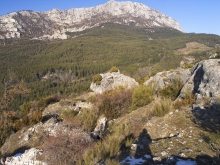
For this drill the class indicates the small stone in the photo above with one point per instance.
(181, 154)
(163, 153)
(200, 140)
(179, 135)
(133, 146)
(171, 135)
(156, 159)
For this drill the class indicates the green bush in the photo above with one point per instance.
(97, 79)
(113, 69)
(142, 95)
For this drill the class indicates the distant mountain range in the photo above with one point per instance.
(55, 24)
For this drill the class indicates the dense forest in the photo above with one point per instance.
(67, 66)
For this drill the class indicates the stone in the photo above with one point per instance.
(28, 157)
(111, 81)
(100, 127)
(166, 78)
(204, 82)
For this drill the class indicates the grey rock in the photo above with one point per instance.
(204, 82)
(113, 80)
(100, 127)
(165, 78)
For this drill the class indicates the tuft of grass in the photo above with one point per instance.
(103, 150)
(162, 107)
(188, 100)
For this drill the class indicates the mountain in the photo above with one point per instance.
(55, 24)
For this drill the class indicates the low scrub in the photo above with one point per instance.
(142, 95)
(115, 103)
(64, 149)
(85, 119)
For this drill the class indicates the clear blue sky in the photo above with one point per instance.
(199, 16)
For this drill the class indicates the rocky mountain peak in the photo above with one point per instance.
(55, 23)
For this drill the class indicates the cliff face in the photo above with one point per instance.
(55, 23)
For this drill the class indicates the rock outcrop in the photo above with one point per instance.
(165, 78)
(204, 81)
(112, 80)
(34, 136)
(100, 127)
(28, 157)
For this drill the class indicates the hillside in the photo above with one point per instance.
(66, 66)
(128, 124)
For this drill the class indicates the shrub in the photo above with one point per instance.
(142, 95)
(97, 79)
(115, 103)
(172, 90)
(48, 100)
(64, 149)
(162, 107)
(113, 69)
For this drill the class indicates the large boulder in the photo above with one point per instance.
(204, 82)
(111, 80)
(166, 78)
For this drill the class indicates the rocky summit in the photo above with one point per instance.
(56, 24)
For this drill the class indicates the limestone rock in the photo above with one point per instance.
(28, 157)
(100, 127)
(112, 80)
(204, 81)
(165, 78)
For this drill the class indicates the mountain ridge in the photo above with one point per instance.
(54, 24)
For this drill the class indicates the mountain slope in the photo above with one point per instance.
(55, 23)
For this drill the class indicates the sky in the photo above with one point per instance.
(197, 16)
